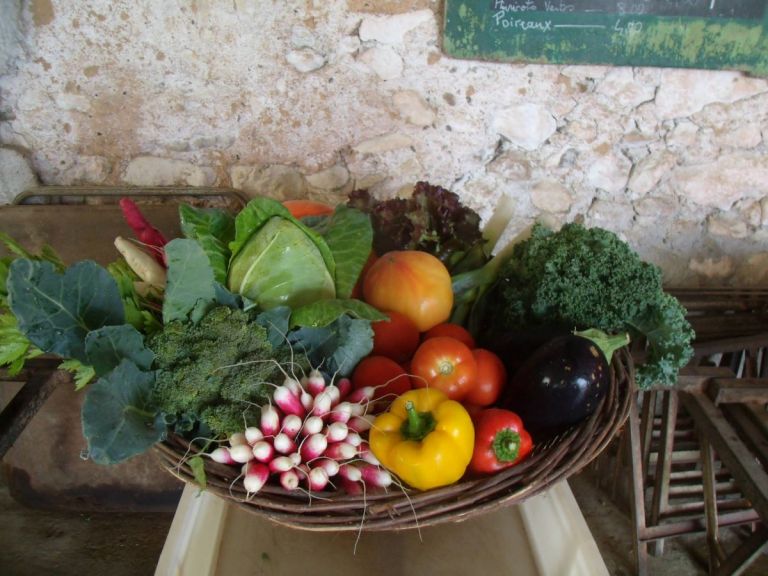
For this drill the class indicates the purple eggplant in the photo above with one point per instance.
(563, 381)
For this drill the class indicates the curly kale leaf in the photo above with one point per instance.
(217, 369)
(589, 278)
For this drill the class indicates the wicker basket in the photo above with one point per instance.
(392, 510)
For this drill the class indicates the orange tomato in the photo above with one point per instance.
(396, 338)
(445, 364)
(452, 331)
(413, 283)
(490, 380)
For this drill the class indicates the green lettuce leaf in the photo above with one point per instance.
(324, 312)
(349, 236)
(213, 229)
(117, 416)
(57, 311)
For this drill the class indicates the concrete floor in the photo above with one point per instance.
(45, 541)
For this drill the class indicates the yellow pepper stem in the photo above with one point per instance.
(418, 424)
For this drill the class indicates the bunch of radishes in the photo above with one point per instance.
(310, 435)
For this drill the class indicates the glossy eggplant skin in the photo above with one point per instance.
(559, 385)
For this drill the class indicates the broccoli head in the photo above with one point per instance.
(589, 278)
(218, 370)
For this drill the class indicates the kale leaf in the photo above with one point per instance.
(589, 278)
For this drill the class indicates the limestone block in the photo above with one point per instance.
(305, 60)
(622, 91)
(525, 125)
(384, 143)
(154, 171)
(383, 61)
(609, 172)
(276, 181)
(332, 178)
(77, 102)
(753, 271)
(683, 92)
(16, 175)
(551, 196)
(412, 106)
(713, 268)
(724, 180)
(512, 165)
(86, 170)
(392, 29)
(727, 225)
(650, 171)
(615, 216)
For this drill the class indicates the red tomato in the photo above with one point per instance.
(490, 380)
(446, 364)
(452, 331)
(413, 283)
(384, 374)
(396, 338)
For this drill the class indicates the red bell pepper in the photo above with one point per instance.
(500, 441)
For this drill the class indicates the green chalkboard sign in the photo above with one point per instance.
(715, 34)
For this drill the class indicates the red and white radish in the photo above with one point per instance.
(263, 451)
(256, 475)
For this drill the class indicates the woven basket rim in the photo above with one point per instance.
(552, 461)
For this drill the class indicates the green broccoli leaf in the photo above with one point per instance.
(191, 286)
(57, 311)
(337, 347)
(108, 346)
(276, 323)
(213, 229)
(118, 416)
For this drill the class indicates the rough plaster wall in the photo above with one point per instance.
(312, 98)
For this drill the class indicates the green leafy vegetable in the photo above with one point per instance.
(140, 311)
(216, 370)
(281, 265)
(213, 229)
(197, 465)
(108, 346)
(324, 312)
(338, 347)
(349, 236)
(57, 311)
(432, 220)
(588, 278)
(15, 348)
(82, 373)
(118, 416)
(191, 284)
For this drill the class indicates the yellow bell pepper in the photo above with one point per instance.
(424, 438)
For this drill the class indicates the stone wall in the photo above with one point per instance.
(312, 98)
